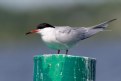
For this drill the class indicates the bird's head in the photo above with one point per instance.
(40, 27)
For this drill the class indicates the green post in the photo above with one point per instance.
(61, 67)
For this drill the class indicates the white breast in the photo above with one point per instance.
(48, 36)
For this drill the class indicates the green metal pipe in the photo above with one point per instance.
(61, 67)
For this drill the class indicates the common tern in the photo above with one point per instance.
(64, 37)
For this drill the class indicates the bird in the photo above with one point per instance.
(64, 37)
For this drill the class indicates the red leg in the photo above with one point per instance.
(66, 52)
(58, 51)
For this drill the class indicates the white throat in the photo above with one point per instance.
(46, 31)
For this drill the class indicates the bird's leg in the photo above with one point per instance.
(66, 52)
(58, 51)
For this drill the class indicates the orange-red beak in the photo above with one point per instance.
(33, 31)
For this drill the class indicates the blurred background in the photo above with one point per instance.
(20, 16)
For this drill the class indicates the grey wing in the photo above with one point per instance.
(68, 35)
(95, 29)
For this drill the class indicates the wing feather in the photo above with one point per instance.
(68, 35)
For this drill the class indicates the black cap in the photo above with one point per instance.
(44, 25)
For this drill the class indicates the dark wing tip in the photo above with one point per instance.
(112, 20)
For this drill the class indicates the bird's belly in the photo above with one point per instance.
(54, 44)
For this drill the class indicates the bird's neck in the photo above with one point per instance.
(48, 35)
(46, 31)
